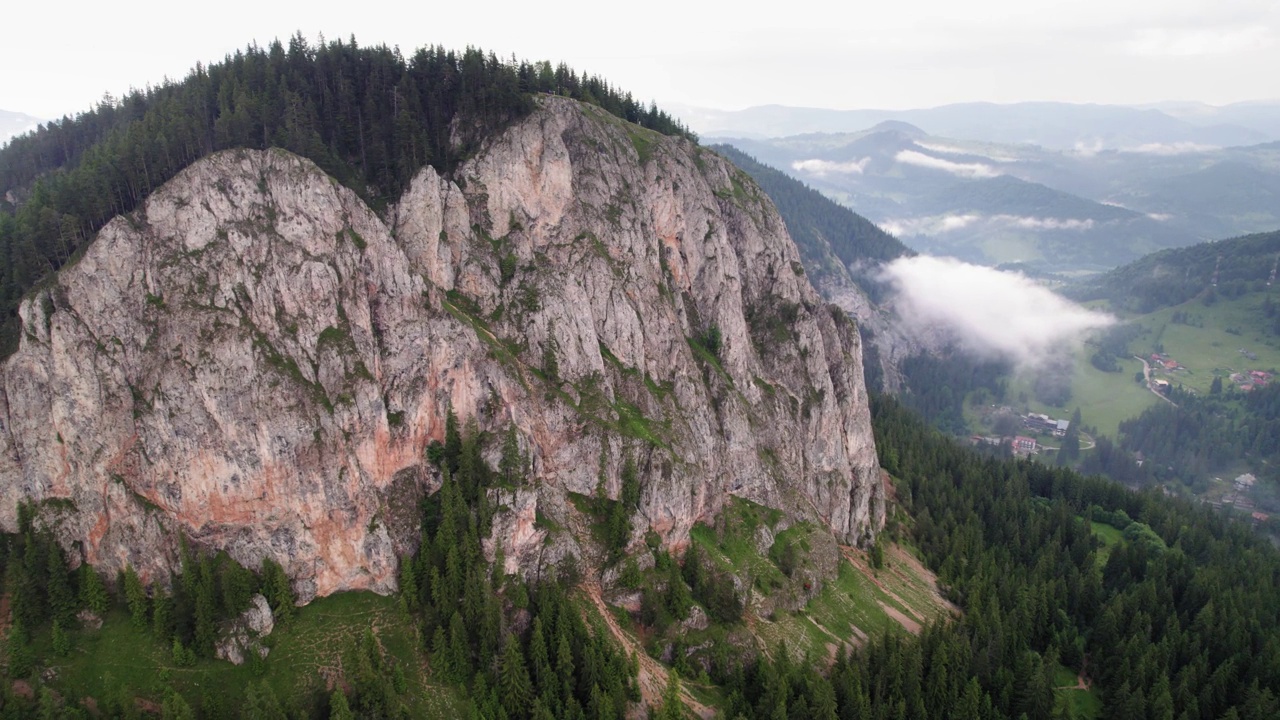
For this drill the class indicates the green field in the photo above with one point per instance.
(1212, 346)
(1109, 536)
(1082, 704)
(306, 656)
(1215, 347)
(1105, 399)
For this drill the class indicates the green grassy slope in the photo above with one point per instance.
(306, 658)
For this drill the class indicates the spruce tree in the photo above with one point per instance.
(136, 598)
(339, 709)
(510, 463)
(93, 594)
(672, 707)
(514, 688)
(62, 597)
(175, 707)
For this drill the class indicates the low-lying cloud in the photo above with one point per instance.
(824, 167)
(942, 224)
(1049, 223)
(1087, 148)
(1175, 148)
(966, 170)
(988, 312)
(953, 150)
(936, 225)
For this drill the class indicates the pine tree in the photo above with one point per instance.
(440, 656)
(539, 660)
(261, 703)
(459, 660)
(514, 688)
(550, 364)
(339, 709)
(175, 707)
(93, 594)
(409, 592)
(62, 597)
(136, 598)
(22, 658)
(510, 463)
(452, 441)
(61, 641)
(278, 591)
(162, 616)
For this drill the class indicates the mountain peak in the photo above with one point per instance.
(898, 126)
(256, 360)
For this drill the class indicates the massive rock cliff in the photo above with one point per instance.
(256, 360)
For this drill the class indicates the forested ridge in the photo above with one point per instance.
(1172, 277)
(369, 116)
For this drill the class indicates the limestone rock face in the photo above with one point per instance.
(256, 360)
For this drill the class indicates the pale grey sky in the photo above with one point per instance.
(59, 58)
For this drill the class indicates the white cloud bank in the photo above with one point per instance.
(824, 167)
(936, 225)
(990, 313)
(941, 224)
(1035, 223)
(967, 170)
(953, 150)
(1176, 148)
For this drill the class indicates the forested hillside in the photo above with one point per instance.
(1186, 443)
(1171, 277)
(1077, 598)
(368, 116)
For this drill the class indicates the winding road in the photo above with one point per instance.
(1146, 374)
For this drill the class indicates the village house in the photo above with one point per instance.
(1024, 445)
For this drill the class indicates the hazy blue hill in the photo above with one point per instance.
(1225, 198)
(1009, 195)
(1053, 125)
(898, 126)
(13, 124)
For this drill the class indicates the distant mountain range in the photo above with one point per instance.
(1060, 126)
(1053, 210)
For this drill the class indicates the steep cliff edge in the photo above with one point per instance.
(256, 360)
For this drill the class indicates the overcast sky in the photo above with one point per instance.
(59, 58)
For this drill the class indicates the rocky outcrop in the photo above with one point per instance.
(258, 361)
(242, 636)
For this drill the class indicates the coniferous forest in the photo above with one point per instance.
(368, 116)
(1177, 618)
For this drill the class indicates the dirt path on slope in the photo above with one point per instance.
(1082, 682)
(653, 676)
